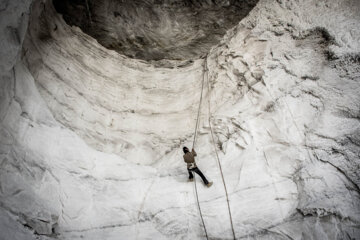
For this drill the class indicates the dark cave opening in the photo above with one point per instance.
(155, 29)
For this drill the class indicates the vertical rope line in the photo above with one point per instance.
(217, 156)
(195, 135)
(201, 216)
(199, 108)
(88, 10)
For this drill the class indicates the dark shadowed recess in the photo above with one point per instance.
(156, 29)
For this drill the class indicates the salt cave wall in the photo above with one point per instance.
(91, 139)
(156, 30)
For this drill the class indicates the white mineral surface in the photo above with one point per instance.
(91, 140)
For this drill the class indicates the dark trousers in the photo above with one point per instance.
(199, 173)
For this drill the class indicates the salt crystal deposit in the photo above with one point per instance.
(99, 97)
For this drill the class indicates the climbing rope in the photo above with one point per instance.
(198, 203)
(194, 141)
(199, 108)
(88, 10)
(217, 155)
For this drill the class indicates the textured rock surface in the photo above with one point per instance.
(156, 29)
(91, 140)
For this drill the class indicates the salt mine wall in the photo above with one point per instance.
(98, 98)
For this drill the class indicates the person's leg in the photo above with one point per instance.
(191, 176)
(197, 170)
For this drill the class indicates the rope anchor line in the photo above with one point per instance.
(217, 155)
(194, 141)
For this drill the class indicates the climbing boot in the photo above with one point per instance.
(190, 179)
(209, 184)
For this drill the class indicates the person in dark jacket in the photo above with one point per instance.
(189, 158)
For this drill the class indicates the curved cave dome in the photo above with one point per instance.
(155, 29)
(91, 139)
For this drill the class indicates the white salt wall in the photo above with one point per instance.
(91, 140)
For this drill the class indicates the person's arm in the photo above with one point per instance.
(193, 152)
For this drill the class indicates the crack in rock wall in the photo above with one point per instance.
(90, 140)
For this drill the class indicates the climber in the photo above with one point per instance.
(189, 158)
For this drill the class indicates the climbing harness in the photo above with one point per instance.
(213, 140)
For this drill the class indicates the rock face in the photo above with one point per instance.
(91, 140)
(156, 29)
